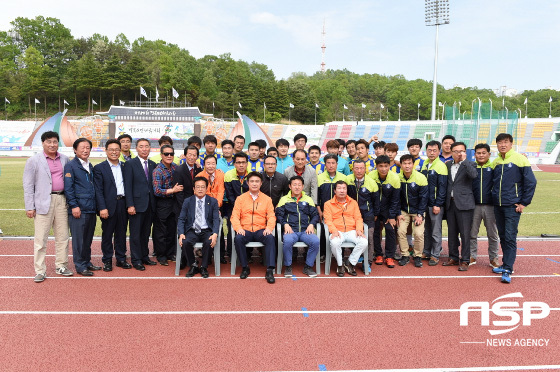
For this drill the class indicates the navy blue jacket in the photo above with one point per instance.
(211, 212)
(483, 183)
(138, 191)
(414, 193)
(298, 215)
(105, 187)
(389, 194)
(78, 187)
(367, 196)
(437, 182)
(514, 181)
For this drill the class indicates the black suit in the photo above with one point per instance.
(460, 209)
(182, 176)
(186, 227)
(140, 195)
(107, 198)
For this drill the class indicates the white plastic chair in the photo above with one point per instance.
(199, 246)
(248, 245)
(280, 256)
(345, 245)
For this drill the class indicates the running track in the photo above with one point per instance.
(401, 318)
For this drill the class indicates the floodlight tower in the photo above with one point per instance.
(437, 13)
(323, 47)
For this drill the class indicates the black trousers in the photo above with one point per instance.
(165, 229)
(226, 210)
(459, 224)
(390, 238)
(114, 226)
(140, 226)
(188, 246)
(257, 236)
(82, 230)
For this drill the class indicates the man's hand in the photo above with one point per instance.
(288, 229)
(418, 220)
(400, 218)
(392, 222)
(241, 232)
(320, 214)
(213, 239)
(181, 237)
(519, 208)
(175, 189)
(360, 234)
(131, 210)
(30, 214)
(374, 138)
(310, 230)
(463, 156)
(267, 232)
(76, 212)
(335, 234)
(435, 209)
(104, 213)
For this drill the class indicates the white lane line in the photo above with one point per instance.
(371, 277)
(454, 369)
(239, 312)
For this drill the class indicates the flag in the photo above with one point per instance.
(157, 95)
(418, 105)
(66, 103)
(213, 105)
(291, 105)
(121, 102)
(175, 93)
(265, 105)
(316, 105)
(525, 101)
(143, 92)
(382, 106)
(363, 105)
(37, 101)
(6, 100)
(346, 108)
(240, 105)
(399, 105)
(93, 101)
(440, 104)
(550, 99)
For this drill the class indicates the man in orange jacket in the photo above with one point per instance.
(342, 216)
(253, 220)
(216, 187)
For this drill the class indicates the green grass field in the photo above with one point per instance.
(14, 222)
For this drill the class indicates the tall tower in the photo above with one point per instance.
(323, 47)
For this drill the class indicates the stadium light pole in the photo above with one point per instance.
(436, 13)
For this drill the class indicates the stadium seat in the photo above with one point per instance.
(248, 245)
(280, 256)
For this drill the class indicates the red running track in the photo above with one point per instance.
(397, 318)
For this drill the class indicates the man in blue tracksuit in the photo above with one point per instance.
(514, 187)
(80, 197)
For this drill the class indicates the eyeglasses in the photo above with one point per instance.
(168, 154)
(113, 150)
(459, 152)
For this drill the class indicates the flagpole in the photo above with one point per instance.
(5, 110)
(315, 114)
(362, 113)
(343, 114)
(264, 114)
(549, 104)
(399, 112)
(525, 108)
(35, 109)
(290, 114)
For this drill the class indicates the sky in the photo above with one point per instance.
(488, 43)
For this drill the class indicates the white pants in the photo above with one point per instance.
(348, 237)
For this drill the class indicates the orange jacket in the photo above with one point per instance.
(217, 188)
(253, 215)
(343, 218)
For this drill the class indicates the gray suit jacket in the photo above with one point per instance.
(37, 183)
(309, 180)
(462, 185)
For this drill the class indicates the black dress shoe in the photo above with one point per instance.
(107, 266)
(85, 273)
(149, 262)
(163, 261)
(245, 273)
(124, 265)
(182, 266)
(270, 276)
(172, 258)
(223, 260)
(94, 268)
(204, 272)
(192, 272)
(139, 267)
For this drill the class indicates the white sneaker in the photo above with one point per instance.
(64, 271)
(39, 278)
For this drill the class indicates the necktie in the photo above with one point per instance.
(146, 169)
(192, 173)
(198, 217)
(212, 178)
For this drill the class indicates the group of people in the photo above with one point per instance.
(356, 197)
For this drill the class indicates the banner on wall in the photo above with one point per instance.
(155, 130)
(15, 133)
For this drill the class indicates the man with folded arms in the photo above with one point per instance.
(344, 220)
(253, 220)
(109, 194)
(297, 213)
(43, 193)
(202, 226)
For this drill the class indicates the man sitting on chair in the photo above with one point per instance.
(342, 216)
(253, 220)
(297, 213)
(202, 226)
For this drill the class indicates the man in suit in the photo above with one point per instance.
(184, 176)
(109, 193)
(202, 226)
(140, 203)
(459, 205)
(43, 193)
(80, 197)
